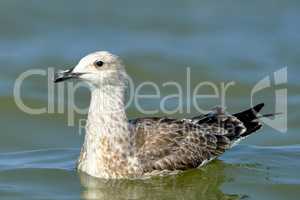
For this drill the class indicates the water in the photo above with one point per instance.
(220, 42)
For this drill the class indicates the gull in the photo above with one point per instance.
(115, 147)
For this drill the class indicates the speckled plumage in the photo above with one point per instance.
(117, 148)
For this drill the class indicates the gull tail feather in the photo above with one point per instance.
(250, 119)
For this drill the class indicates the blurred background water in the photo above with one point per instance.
(220, 41)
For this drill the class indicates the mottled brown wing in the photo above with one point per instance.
(170, 144)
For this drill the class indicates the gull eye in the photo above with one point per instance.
(99, 63)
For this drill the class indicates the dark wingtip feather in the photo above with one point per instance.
(249, 118)
(250, 114)
(258, 107)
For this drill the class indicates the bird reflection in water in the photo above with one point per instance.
(204, 183)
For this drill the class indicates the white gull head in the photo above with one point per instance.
(98, 69)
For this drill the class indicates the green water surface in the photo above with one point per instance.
(220, 41)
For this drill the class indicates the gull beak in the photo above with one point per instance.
(65, 75)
